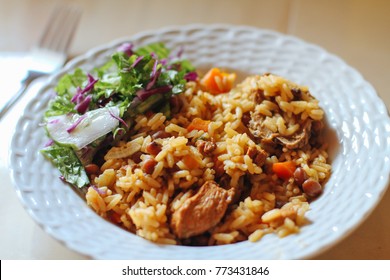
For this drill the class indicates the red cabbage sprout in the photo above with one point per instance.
(127, 48)
(83, 106)
(138, 59)
(191, 76)
(75, 124)
(144, 94)
(118, 118)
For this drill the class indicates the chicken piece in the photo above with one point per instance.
(200, 212)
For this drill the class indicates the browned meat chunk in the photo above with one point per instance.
(297, 93)
(206, 147)
(200, 212)
(257, 154)
(257, 95)
(246, 117)
(161, 134)
(234, 192)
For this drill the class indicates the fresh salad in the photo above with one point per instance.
(97, 109)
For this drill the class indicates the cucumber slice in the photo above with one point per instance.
(78, 131)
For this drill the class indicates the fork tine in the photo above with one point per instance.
(60, 28)
(70, 28)
(50, 52)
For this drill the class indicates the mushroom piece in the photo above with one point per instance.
(297, 140)
(200, 212)
(260, 131)
(269, 139)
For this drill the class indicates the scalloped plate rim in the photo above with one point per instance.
(110, 45)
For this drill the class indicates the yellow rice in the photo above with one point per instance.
(143, 203)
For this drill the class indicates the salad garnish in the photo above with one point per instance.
(94, 109)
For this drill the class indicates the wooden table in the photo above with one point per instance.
(356, 31)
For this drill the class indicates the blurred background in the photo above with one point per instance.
(355, 30)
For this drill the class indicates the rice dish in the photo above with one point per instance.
(224, 168)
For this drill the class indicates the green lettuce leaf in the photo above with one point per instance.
(158, 49)
(65, 89)
(66, 161)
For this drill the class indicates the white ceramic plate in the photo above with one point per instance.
(358, 131)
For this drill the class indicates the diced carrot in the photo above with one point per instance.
(284, 170)
(216, 81)
(198, 124)
(190, 162)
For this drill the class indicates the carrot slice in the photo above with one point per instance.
(284, 170)
(216, 81)
(198, 124)
(190, 162)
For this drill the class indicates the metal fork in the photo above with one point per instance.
(50, 53)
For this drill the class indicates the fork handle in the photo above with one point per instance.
(30, 76)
